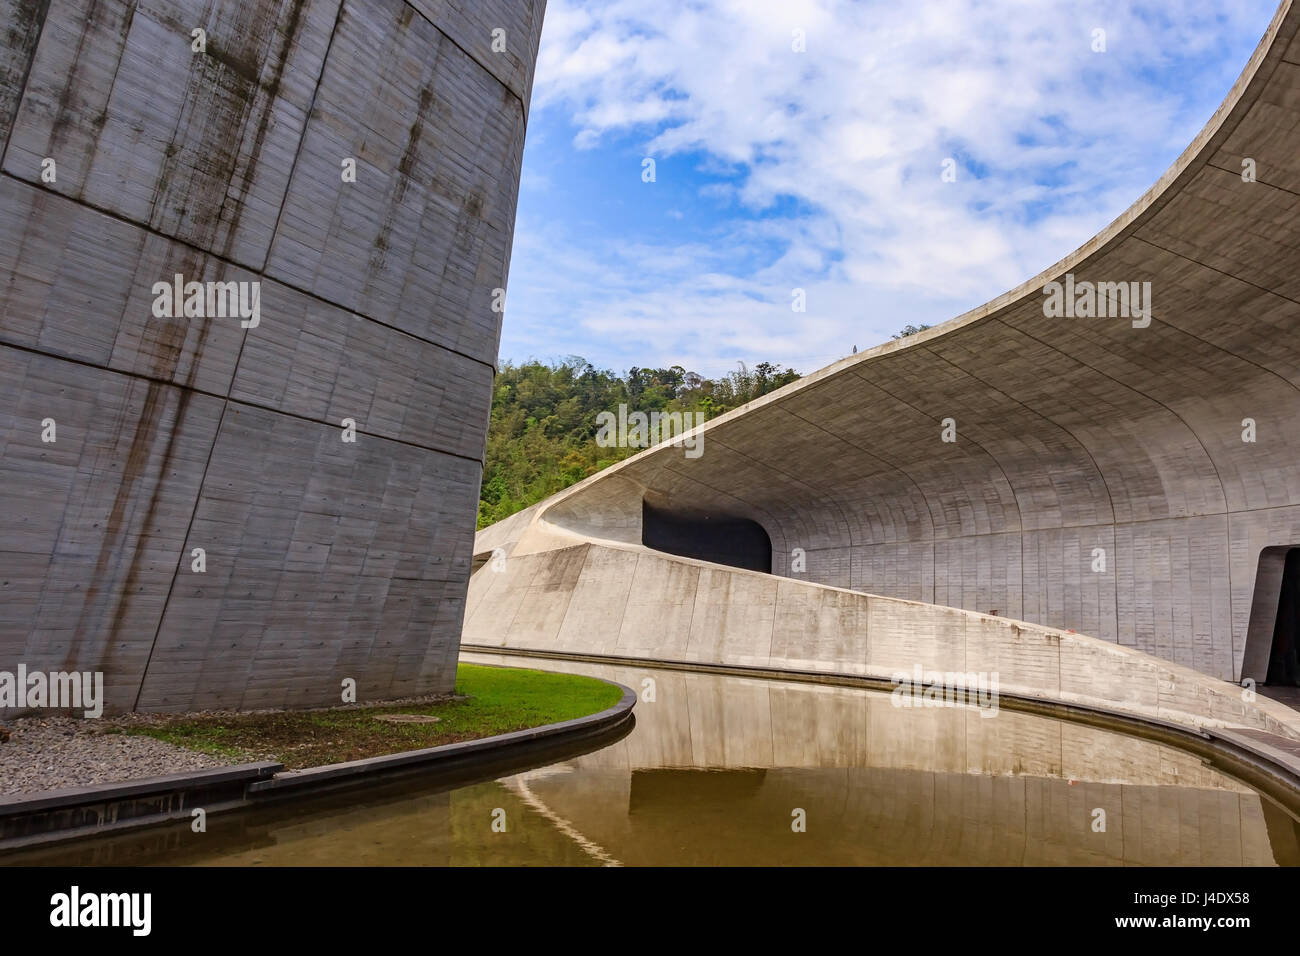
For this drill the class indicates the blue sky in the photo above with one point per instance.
(820, 169)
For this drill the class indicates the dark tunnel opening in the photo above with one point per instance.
(721, 539)
(1284, 658)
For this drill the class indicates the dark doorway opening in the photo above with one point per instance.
(737, 542)
(1284, 658)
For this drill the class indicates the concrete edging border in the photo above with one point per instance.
(58, 816)
(1266, 767)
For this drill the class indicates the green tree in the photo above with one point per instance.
(542, 430)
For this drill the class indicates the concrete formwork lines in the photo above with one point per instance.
(523, 100)
(1206, 344)
(1037, 414)
(249, 404)
(28, 16)
(324, 559)
(198, 250)
(311, 106)
(1083, 447)
(1191, 431)
(1116, 559)
(180, 560)
(875, 453)
(992, 458)
(1263, 182)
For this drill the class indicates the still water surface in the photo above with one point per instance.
(718, 769)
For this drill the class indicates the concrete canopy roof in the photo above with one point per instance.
(1072, 434)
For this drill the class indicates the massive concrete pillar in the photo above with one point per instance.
(353, 164)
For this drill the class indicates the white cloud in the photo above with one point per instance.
(855, 130)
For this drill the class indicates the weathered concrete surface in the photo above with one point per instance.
(1072, 434)
(325, 560)
(628, 601)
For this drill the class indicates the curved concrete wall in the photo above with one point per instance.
(1072, 434)
(623, 601)
(325, 560)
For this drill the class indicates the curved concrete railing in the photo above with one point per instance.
(629, 601)
(1100, 480)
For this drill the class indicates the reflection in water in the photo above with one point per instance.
(717, 769)
(520, 785)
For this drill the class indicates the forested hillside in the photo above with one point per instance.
(542, 437)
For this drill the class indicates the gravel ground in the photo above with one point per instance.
(53, 752)
(50, 753)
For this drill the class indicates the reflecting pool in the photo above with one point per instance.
(739, 771)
